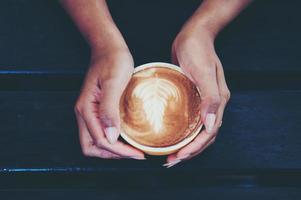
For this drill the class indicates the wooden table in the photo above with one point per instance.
(42, 63)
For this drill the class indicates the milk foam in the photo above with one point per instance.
(155, 94)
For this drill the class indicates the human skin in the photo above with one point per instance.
(97, 108)
(111, 67)
(193, 50)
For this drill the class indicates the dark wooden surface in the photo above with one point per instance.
(260, 131)
(38, 35)
(192, 193)
(42, 63)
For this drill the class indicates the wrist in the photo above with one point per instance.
(195, 35)
(114, 52)
(107, 44)
(199, 28)
(109, 50)
(110, 43)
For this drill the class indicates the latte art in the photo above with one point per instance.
(159, 107)
(155, 93)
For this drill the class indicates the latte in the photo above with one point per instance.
(160, 107)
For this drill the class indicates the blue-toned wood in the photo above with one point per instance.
(150, 194)
(237, 80)
(38, 35)
(43, 59)
(261, 130)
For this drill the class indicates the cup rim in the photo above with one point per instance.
(168, 149)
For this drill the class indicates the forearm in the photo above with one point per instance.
(94, 21)
(214, 15)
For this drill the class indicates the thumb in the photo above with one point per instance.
(210, 98)
(111, 92)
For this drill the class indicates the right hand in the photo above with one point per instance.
(97, 108)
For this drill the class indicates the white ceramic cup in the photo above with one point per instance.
(161, 150)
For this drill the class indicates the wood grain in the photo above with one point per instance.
(260, 131)
(38, 35)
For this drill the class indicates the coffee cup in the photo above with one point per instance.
(160, 109)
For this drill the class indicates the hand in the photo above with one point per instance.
(97, 108)
(193, 50)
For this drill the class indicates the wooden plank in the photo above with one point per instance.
(39, 36)
(261, 130)
(67, 80)
(149, 194)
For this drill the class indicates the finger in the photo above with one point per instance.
(224, 95)
(223, 88)
(88, 148)
(206, 81)
(200, 142)
(119, 148)
(111, 91)
(219, 117)
(171, 158)
(201, 150)
(101, 153)
(174, 159)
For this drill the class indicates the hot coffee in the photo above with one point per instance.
(160, 107)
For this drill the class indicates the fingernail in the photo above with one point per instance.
(209, 122)
(176, 161)
(172, 163)
(111, 134)
(138, 158)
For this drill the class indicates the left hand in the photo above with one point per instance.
(193, 50)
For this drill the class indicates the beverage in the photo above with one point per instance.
(160, 109)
